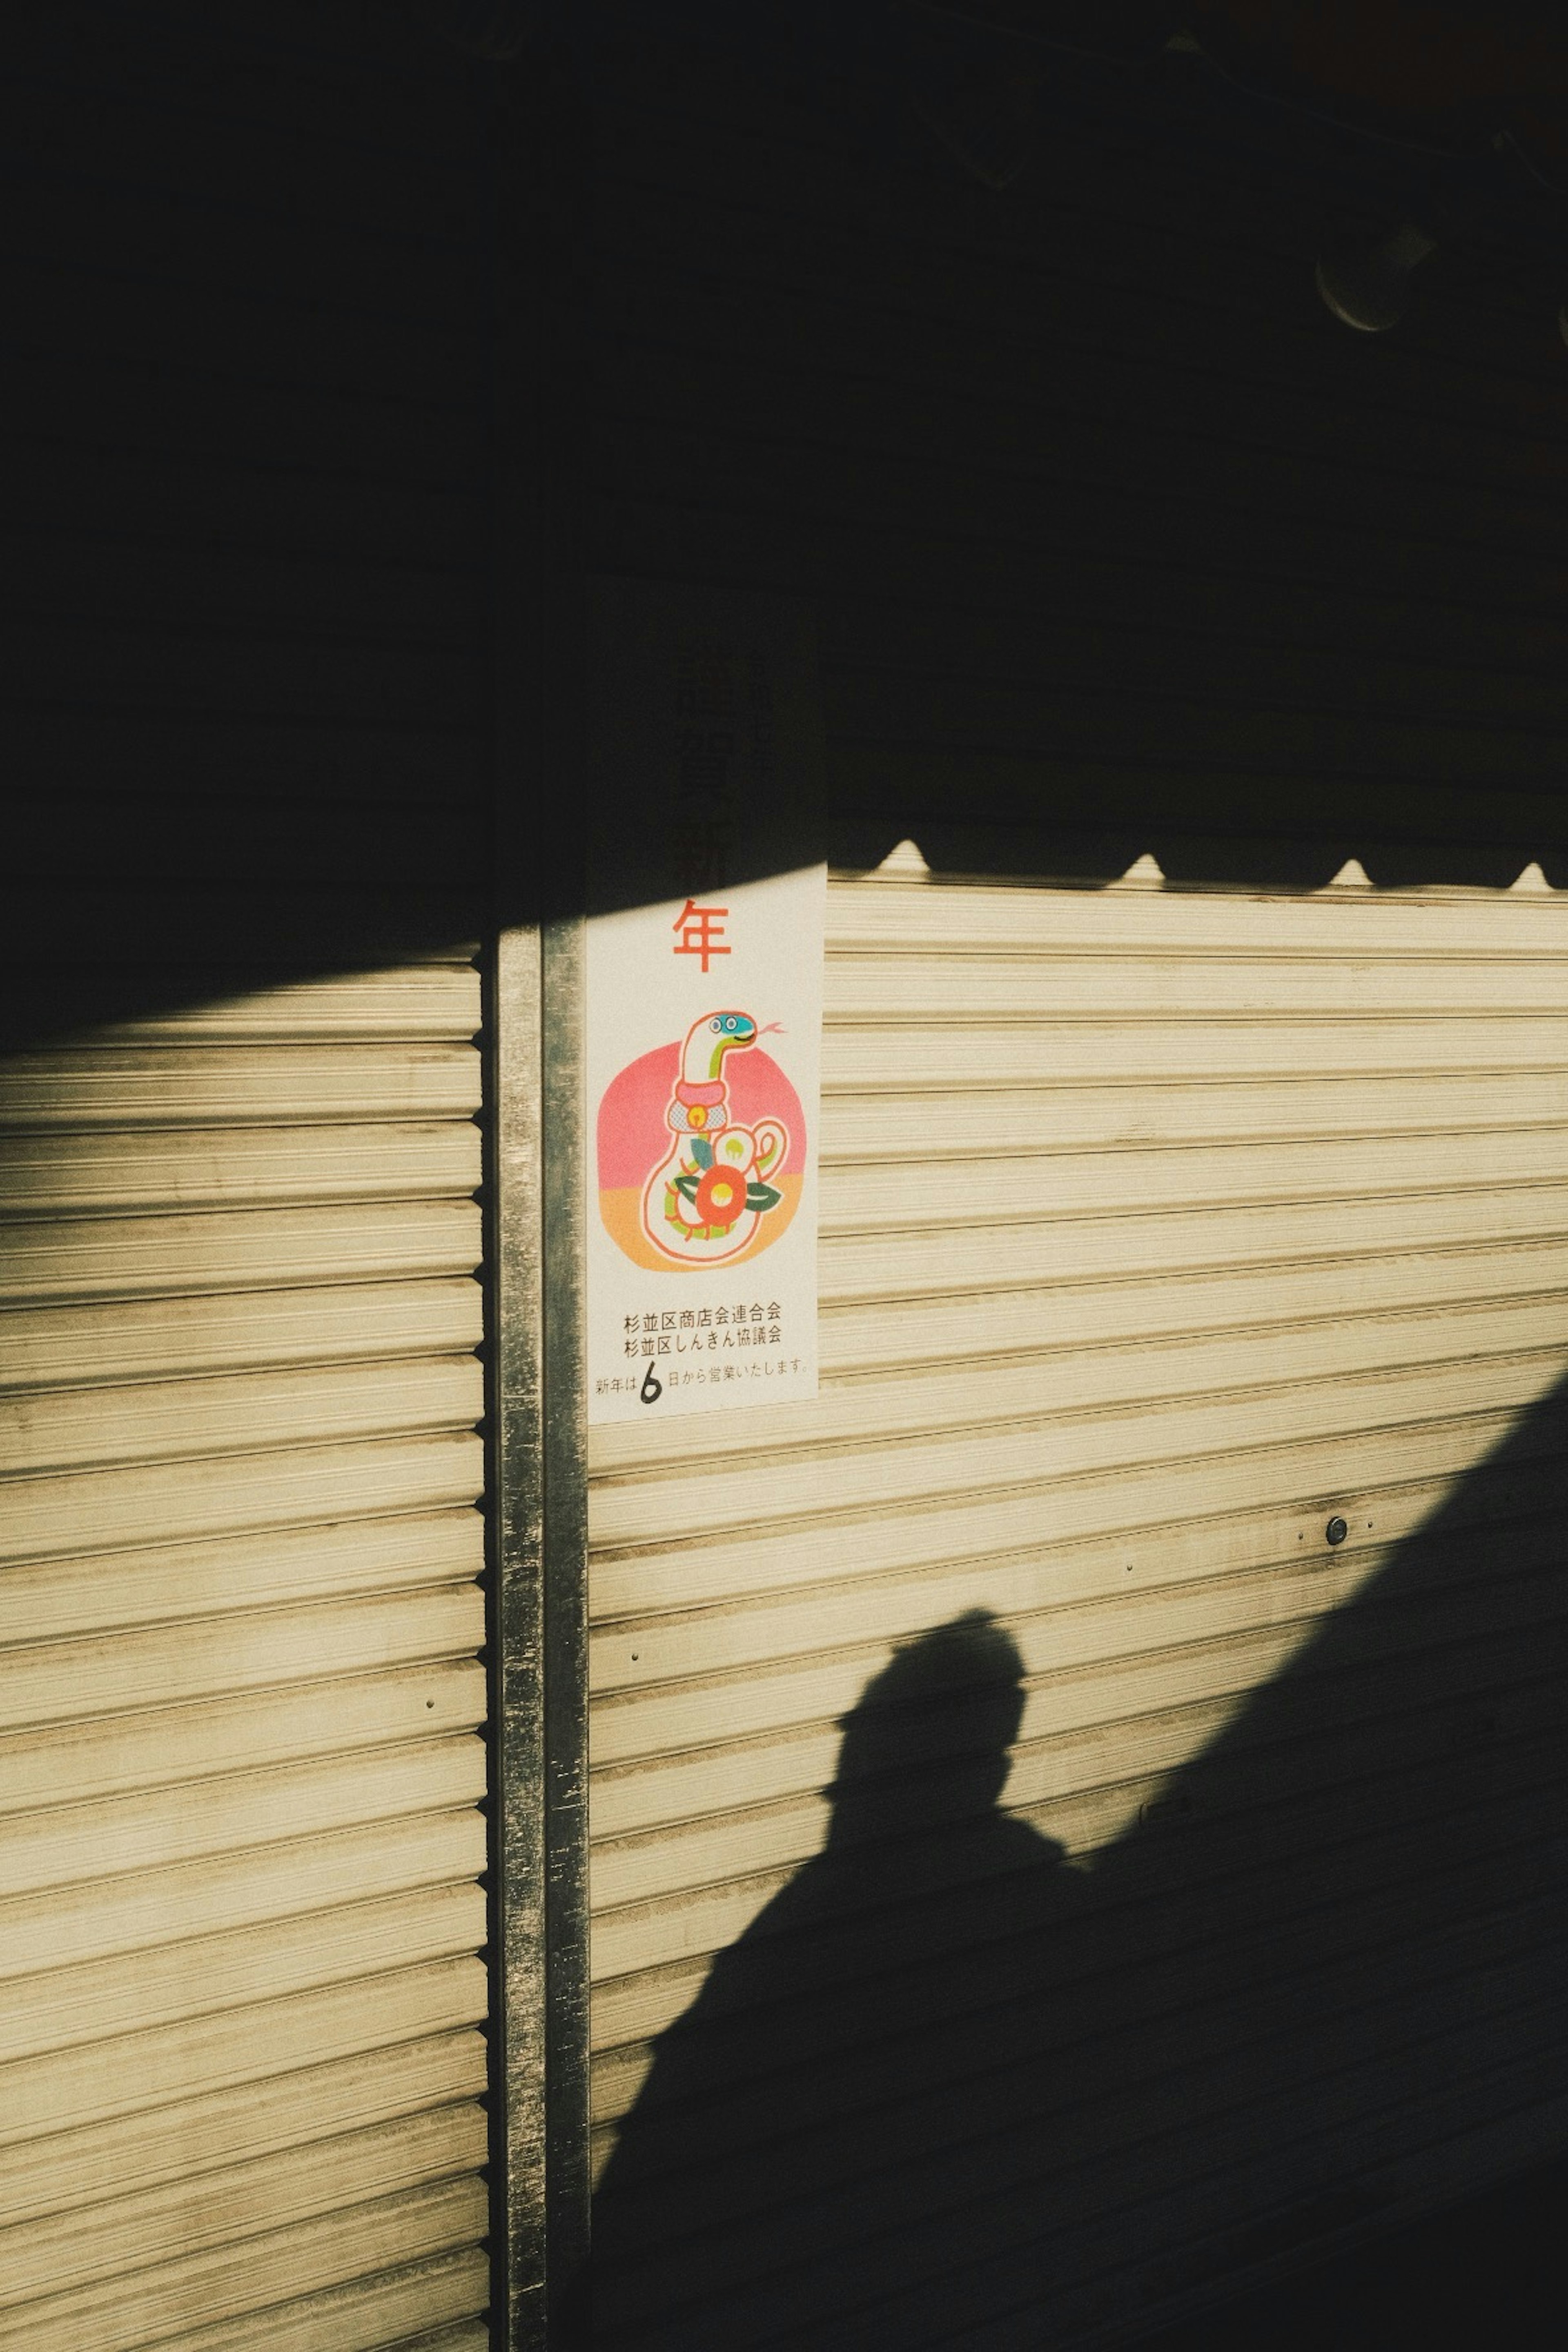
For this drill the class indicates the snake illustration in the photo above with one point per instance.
(704, 1200)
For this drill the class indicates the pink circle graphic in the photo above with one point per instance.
(634, 1140)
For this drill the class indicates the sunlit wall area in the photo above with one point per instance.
(241, 1763)
(1194, 1308)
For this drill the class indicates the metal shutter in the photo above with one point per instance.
(1160, 1229)
(242, 1929)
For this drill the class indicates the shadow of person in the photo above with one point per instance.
(819, 2128)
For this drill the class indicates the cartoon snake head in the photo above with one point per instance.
(709, 1040)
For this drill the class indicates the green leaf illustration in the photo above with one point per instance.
(761, 1196)
(702, 1151)
(687, 1187)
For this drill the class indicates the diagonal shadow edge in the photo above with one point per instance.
(1272, 2011)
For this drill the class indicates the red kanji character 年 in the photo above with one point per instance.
(701, 929)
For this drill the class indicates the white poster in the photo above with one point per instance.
(703, 980)
(704, 1025)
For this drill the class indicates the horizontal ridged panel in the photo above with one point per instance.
(848, 1473)
(266, 1167)
(1192, 1235)
(871, 1120)
(179, 2141)
(1130, 919)
(143, 1933)
(1057, 1636)
(94, 1999)
(913, 1057)
(101, 1756)
(206, 1085)
(91, 1344)
(194, 2288)
(244, 1412)
(1223, 1631)
(932, 1190)
(128, 2075)
(406, 2305)
(215, 1657)
(1029, 1381)
(1003, 1540)
(162, 1582)
(945, 989)
(110, 1256)
(168, 1986)
(239, 1491)
(158, 2224)
(1058, 1313)
(1346, 1872)
(241, 1769)
(227, 1812)
(1157, 1229)
(398, 1006)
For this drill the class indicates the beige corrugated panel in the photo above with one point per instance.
(1159, 1228)
(241, 1925)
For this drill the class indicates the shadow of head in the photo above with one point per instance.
(929, 1738)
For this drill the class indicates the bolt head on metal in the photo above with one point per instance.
(1336, 1530)
(1368, 286)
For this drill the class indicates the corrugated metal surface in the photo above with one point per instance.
(242, 1932)
(242, 1981)
(1117, 544)
(1158, 1227)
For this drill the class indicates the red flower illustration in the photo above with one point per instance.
(720, 1197)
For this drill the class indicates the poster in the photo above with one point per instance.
(703, 1014)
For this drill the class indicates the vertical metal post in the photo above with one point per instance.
(515, 1338)
(533, 1176)
(566, 1624)
(539, 1631)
